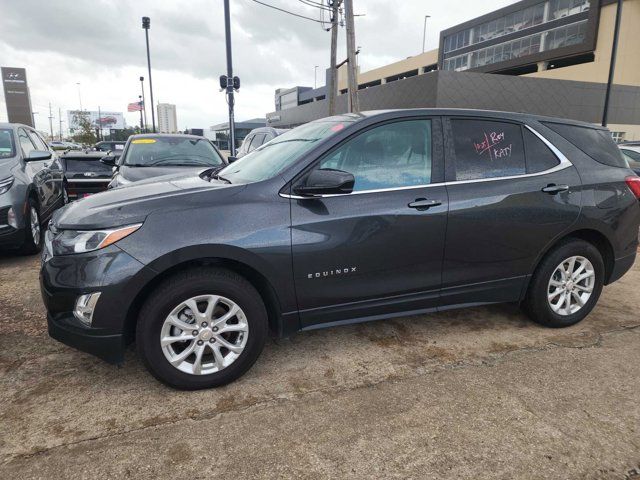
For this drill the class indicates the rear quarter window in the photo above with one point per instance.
(595, 142)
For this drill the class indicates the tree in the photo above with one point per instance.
(85, 133)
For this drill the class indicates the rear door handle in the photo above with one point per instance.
(552, 188)
(424, 204)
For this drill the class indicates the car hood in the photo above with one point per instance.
(6, 166)
(133, 203)
(135, 174)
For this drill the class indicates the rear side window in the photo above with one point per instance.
(596, 143)
(539, 157)
(487, 149)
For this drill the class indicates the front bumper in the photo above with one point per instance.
(111, 271)
(11, 237)
(68, 330)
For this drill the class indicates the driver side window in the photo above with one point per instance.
(393, 155)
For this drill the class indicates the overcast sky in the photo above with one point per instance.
(100, 44)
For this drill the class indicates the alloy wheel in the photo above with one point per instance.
(571, 285)
(35, 226)
(204, 334)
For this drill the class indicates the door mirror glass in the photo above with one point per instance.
(35, 155)
(326, 181)
(109, 160)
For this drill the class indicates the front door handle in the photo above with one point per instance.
(424, 204)
(552, 188)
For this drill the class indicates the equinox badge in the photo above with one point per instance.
(332, 273)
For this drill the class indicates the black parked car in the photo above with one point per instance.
(346, 219)
(152, 155)
(84, 173)
(256, 138)
(30, 187)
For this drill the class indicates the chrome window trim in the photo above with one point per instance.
(564, 163)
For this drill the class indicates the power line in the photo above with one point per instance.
(286, 11)
(315, 5)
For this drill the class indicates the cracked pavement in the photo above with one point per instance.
(481, 392)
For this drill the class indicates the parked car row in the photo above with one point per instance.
(345, 219)
(31, 187)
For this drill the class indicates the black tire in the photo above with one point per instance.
(180, 287)
(29, 245)
(536, 304)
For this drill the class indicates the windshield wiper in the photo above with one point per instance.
(220, 177)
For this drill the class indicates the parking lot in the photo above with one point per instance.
(478, 393)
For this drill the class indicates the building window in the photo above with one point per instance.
(555, 38)
(514, 22)
(618, 137)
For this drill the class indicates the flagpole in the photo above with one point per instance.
(140, 108)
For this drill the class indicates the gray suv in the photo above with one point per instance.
(31, 187)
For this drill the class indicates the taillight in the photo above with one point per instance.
(634, 185)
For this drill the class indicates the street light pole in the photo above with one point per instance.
(230, 100)
(144, 105)
(424, 32)
(612, 64)
(60, 122)
(315, 77)
(79, 96)
(99, 124)
(146, 24)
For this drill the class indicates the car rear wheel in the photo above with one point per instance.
(566, 285)
(201, 328)
(32, 230)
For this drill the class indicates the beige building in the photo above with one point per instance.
(167, 119)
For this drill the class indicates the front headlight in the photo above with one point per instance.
(5, 184)
(80, 241)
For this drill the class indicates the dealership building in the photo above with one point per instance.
(548, 57)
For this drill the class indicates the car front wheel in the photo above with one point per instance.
(202, 328)
(566, 285)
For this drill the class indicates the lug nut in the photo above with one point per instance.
(194, 333)
(213, 340)
(215, 329)
(204, 324)
(200, 342)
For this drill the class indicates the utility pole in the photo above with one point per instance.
(50, 121)
(230, 79)
(612, 64)
(424, 32)
(99, 124)
(144, 105)
(146, 25)
(332, 84)
(60, 122)
(354, 105)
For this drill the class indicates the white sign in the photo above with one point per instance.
(106, 120)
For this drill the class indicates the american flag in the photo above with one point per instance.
(134, 107)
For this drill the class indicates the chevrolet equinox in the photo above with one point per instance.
(346, 219)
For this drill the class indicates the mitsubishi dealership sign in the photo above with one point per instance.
(16, 95)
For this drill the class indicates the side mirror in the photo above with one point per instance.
(109, 160)
(326, 181)
(231, 159)
(36, 155)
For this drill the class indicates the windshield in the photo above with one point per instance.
(273, 157)
(171, 151)
(6, 143)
